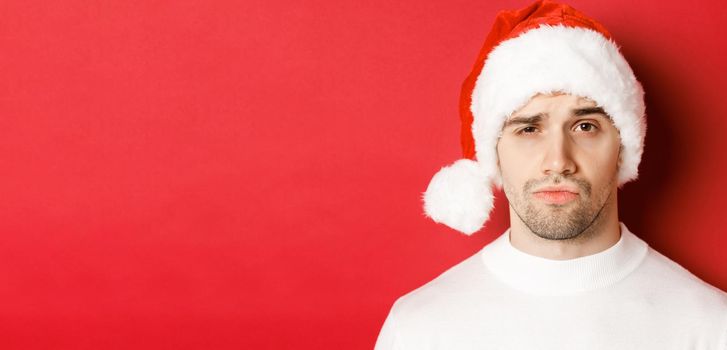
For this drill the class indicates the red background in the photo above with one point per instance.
(226, 175)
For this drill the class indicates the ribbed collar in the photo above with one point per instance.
(536, 275)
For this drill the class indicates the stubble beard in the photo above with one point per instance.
(571, 221)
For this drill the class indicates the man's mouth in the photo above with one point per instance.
(556, 195)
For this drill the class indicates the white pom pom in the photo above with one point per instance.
(460, 196)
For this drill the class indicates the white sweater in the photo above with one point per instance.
(628, 296)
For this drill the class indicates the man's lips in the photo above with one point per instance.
(556, 194)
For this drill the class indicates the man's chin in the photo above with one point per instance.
(558, 235)
(556, 209)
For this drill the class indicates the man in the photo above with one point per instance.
(554, 115)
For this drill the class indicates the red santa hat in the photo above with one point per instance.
(543, 48)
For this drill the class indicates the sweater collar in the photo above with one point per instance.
(536, 275)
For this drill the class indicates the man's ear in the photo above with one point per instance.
(497, 179)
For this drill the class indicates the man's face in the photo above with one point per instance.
(559, 158)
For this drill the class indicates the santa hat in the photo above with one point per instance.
(543, 48)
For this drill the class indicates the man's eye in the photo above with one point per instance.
(587, 127)
(527, 130)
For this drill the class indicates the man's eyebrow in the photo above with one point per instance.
(524, 120)
(534, 119)
(589, 110)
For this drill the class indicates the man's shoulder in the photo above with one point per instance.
(677, 282)
(441, 306)
(456, 286)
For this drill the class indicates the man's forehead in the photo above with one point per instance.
(540, 101)
(580, 106)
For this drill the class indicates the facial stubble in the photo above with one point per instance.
(571, 221)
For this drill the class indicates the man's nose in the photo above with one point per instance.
(558, 158)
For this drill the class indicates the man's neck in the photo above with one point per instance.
(603, 233)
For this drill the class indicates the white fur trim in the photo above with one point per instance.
(578, 61)
(460, 196)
